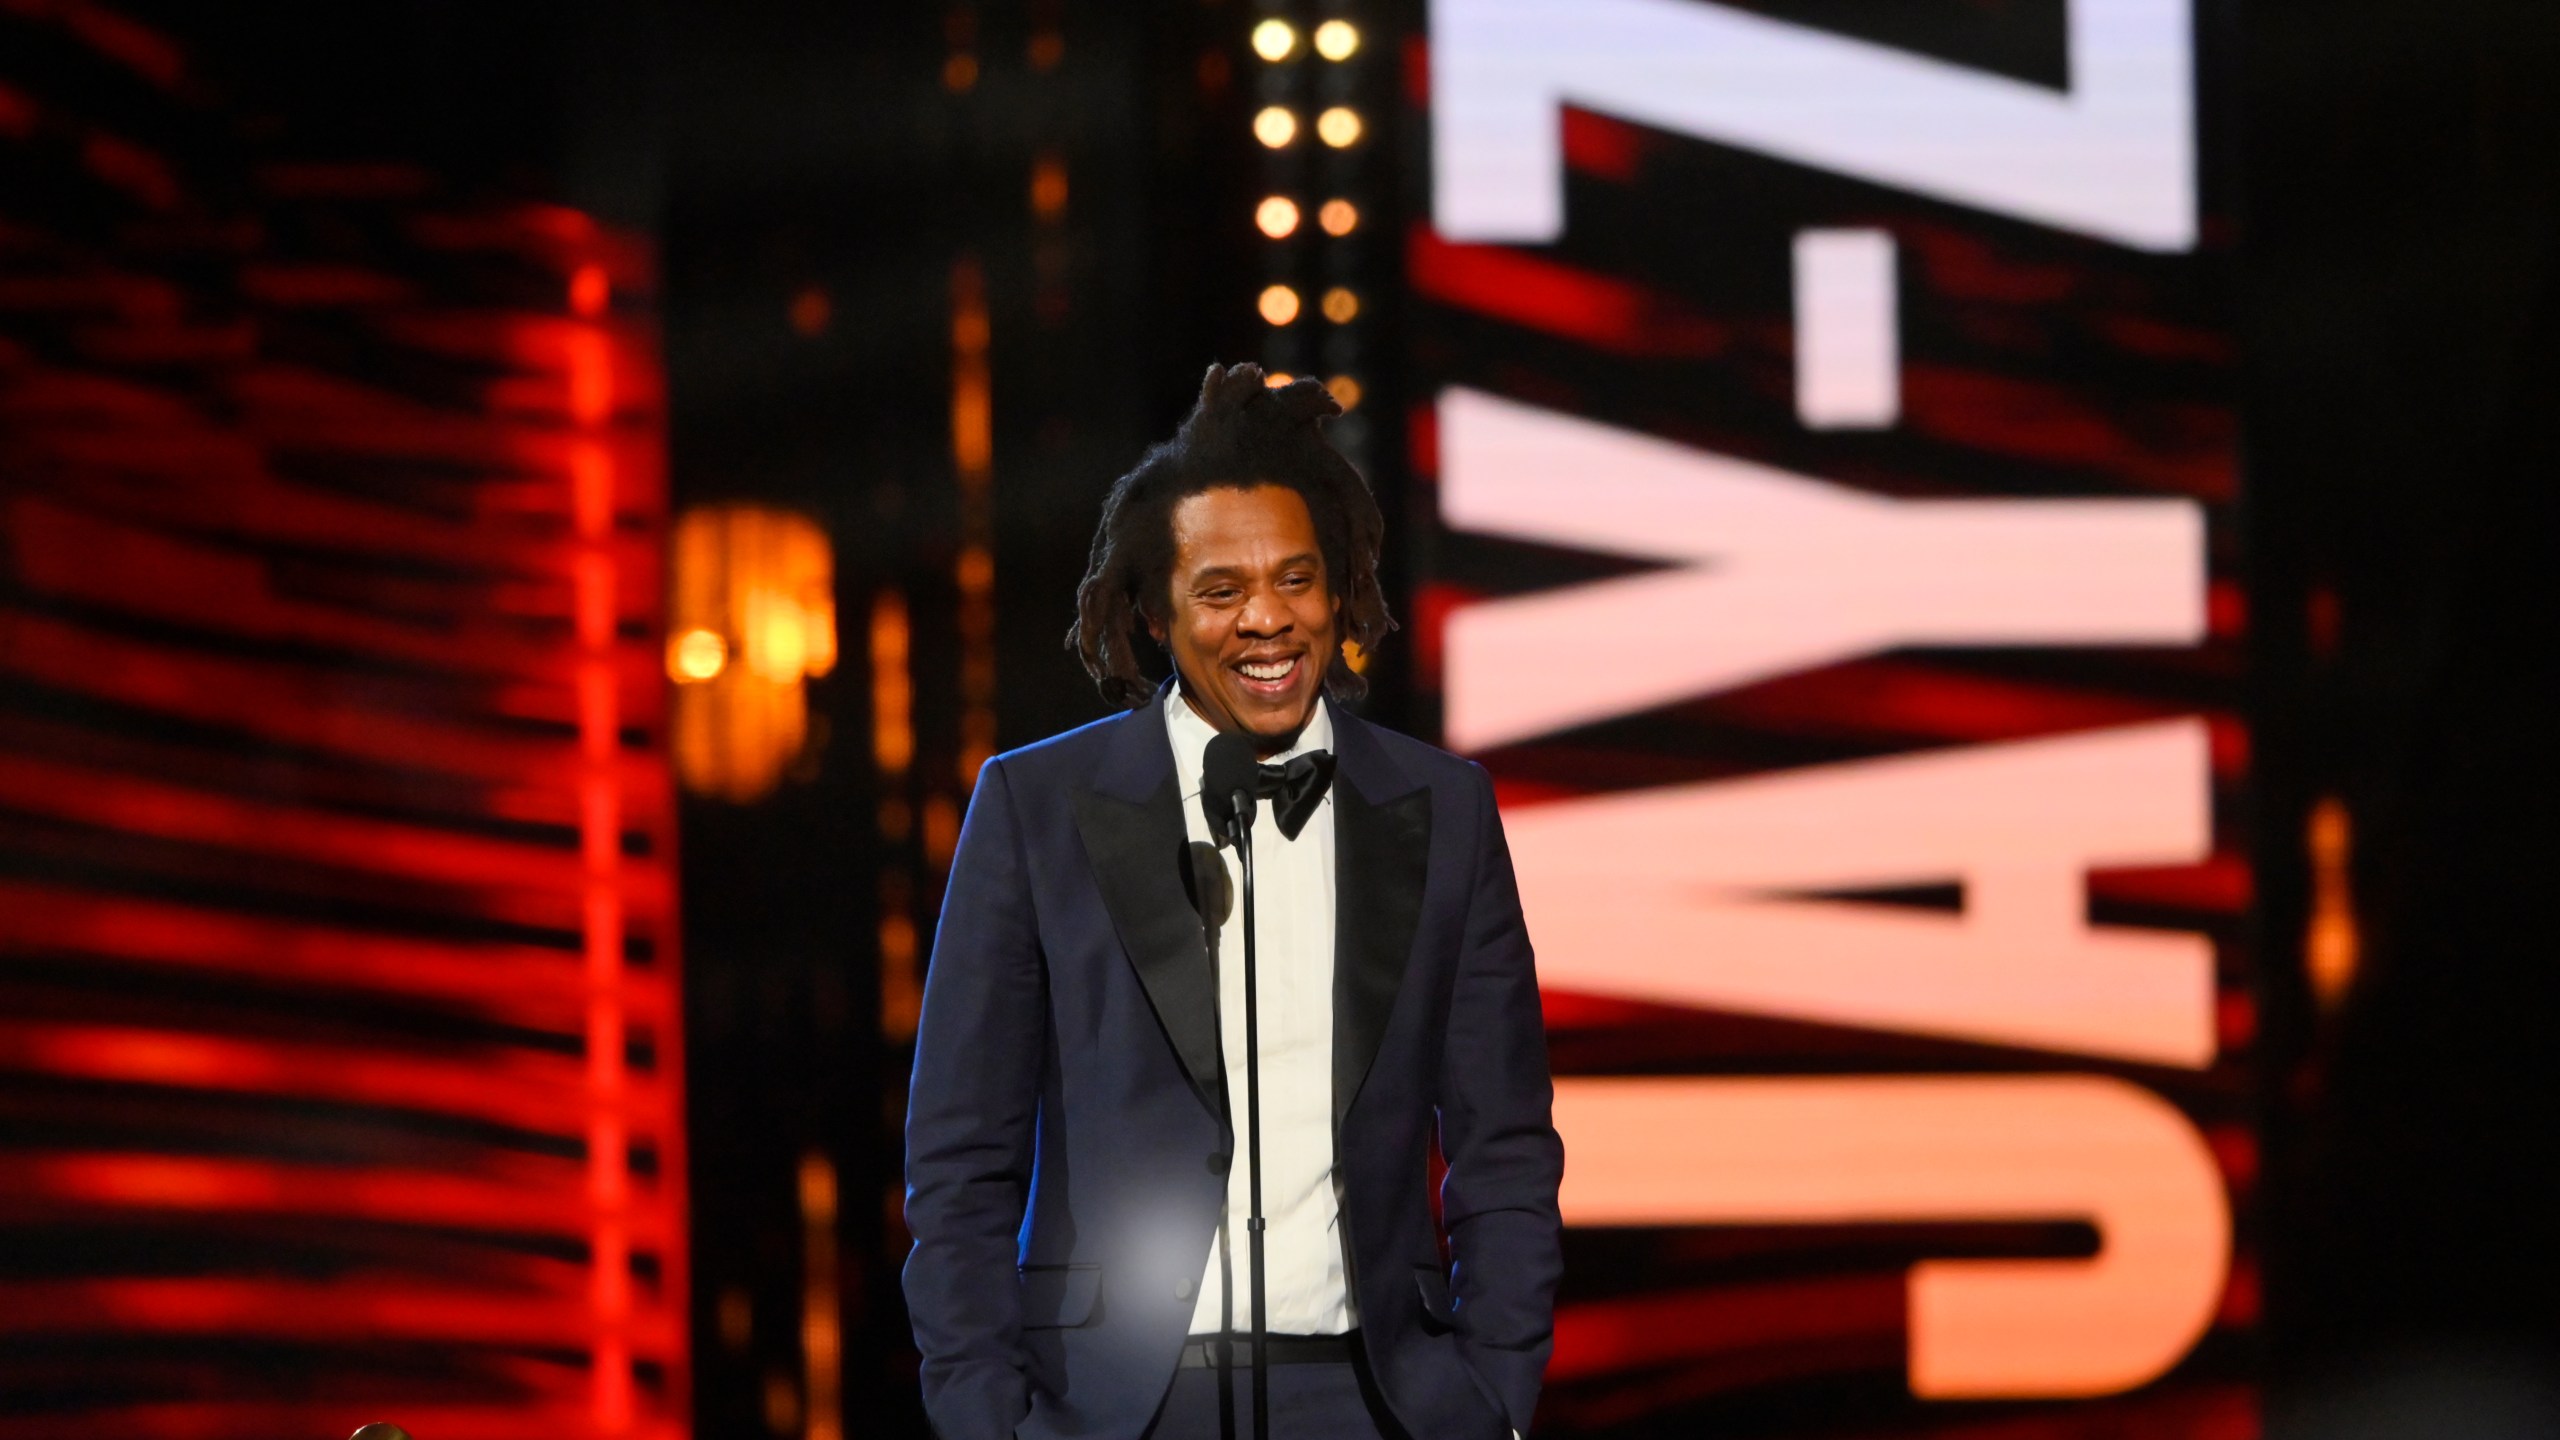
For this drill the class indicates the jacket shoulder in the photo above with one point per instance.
(1423, 760)
(1069, 754)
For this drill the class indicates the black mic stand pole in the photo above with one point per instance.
(1253, 1128)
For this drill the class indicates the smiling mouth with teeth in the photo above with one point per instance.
(1268, 669)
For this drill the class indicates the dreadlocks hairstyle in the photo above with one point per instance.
(1242, 433)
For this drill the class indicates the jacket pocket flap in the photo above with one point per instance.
(1433, 1282)
(1058, 1296)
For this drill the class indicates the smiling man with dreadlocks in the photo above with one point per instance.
(1078, 1111)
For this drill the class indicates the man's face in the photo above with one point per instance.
(1250, 615)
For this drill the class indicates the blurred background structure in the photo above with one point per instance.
(1999, 553)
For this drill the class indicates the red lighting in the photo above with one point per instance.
(341, 703)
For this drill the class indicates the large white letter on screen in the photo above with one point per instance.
(1768, 1151)
(2114, 157)
(1778, 572)
(1680, 895)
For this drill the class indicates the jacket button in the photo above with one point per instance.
(1218, 1163)
(1181, 1289)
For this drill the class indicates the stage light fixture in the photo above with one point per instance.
(1278, 378)
(1277, 217)
(1338, 217)
(1340, 305)
(1275, 126)
(1339, 127)
(1274, 40)
(1345, 391)
(697, 655)
(1279, 304)
(1337, 39)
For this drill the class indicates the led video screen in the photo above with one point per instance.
(1826, 458)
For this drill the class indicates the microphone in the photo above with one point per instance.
(1229, 778)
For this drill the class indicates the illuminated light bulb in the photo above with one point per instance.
(1274, 39)
(1279, 304)
(1337, 39)
(777, 636)
(1339, 127)
(696, 655)
(1277, 217)
(1275, 126)
(1345, 392)
(1278, 378)
(1049, 187)
(1340, 305)
(1338, 217)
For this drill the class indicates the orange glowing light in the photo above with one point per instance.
(1279, 304)
(893, 736)
(960, 73)
(1273, 40)
(1047, 48)
(1345, 391)
(1276, 216)
(760, 583)
(821, 1318)
(1340, 305)
(696, 655)
(901, 996)
(1338, 217)
(972, 455)
(1275, 126)
(1339, 127)
(1278, 378)
(2330, 949)
(1049, 187)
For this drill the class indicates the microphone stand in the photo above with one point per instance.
(1241, 831)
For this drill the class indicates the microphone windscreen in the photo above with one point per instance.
(1228, 767)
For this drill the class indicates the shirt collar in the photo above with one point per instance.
(1191, 736)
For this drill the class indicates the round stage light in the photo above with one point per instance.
(1279, 378)
(697, 655)
(1337, 39)
(1279, 304)
(1277, 217)
(1274, 39)
(1345, 392)
(1338, 217)
(1340, 305)
(1275, 126)
(1339, 127)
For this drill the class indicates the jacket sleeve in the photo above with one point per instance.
(1497, 1132)
(972, 1110)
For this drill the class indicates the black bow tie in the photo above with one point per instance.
(1295, 789)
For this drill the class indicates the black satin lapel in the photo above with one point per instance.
(1381, 856)
(1140, 853)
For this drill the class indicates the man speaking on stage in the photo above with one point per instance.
(1211, 977)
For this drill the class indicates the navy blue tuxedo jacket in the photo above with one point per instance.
(1067, 1132)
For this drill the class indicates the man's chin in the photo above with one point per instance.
(1273, 727)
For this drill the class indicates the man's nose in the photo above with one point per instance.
(1263, 615)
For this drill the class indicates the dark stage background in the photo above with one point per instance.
(1999, 552)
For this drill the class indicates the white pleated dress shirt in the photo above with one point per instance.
(1303, 1266)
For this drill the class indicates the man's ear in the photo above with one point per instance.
(1155, 627)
